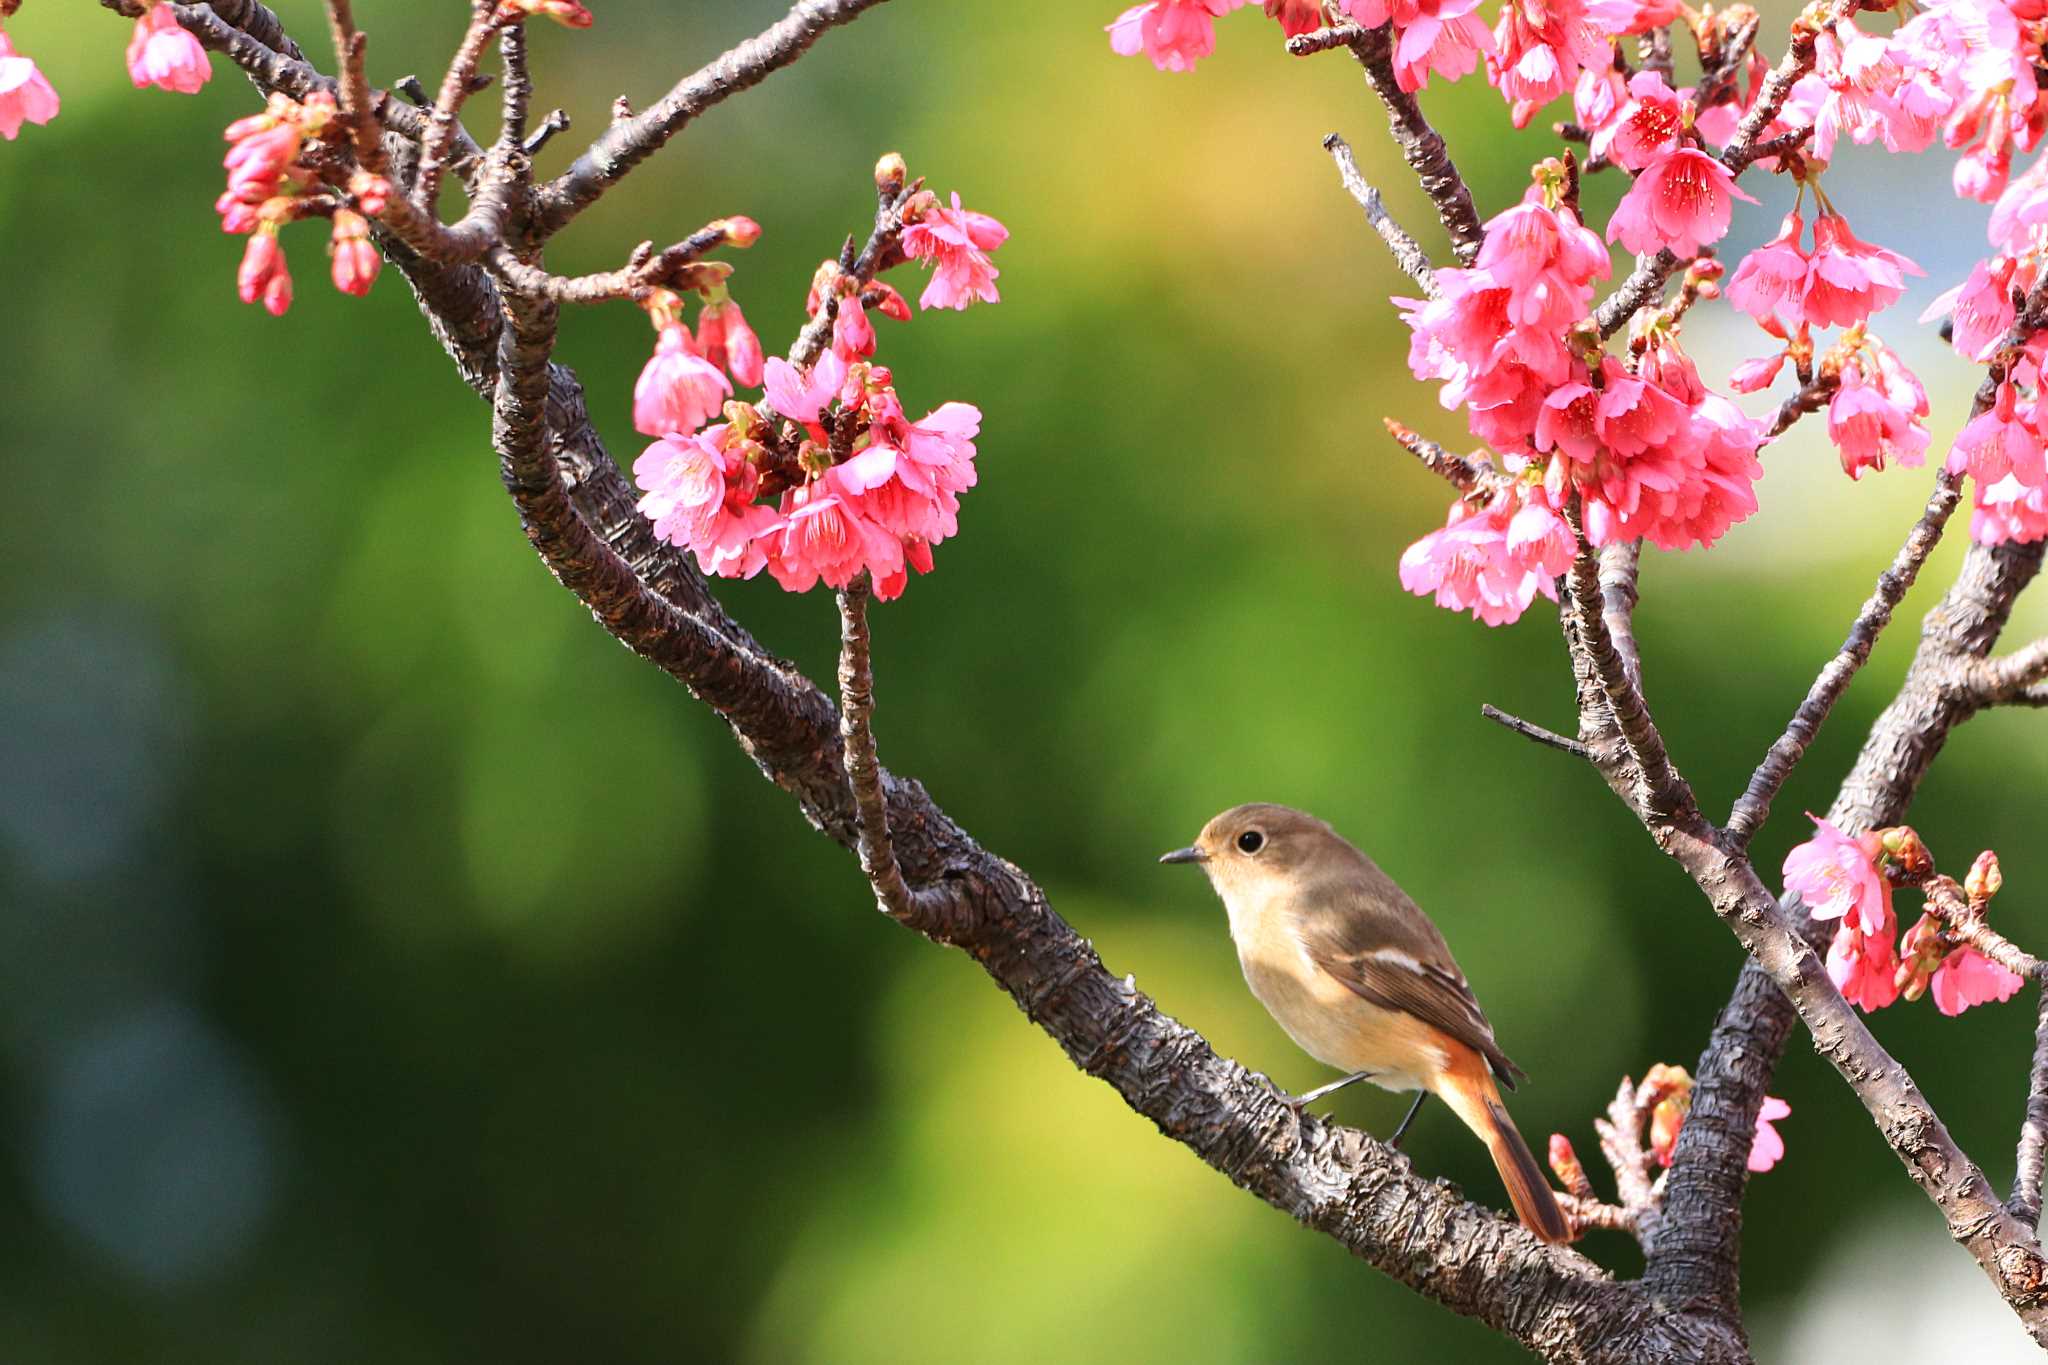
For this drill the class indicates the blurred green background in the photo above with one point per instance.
(391, 967)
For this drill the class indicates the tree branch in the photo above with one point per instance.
(2033, 1148)
(1754, 806)
(1421, 145)
(1407, 254)
(863, 770)
(628, 142)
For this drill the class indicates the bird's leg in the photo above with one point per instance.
(1402, 1130)
(1300, 1102)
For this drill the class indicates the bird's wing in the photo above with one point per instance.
(1409, 978)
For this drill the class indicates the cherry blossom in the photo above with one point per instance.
(1175, 34)
(161, 53)
(26, 95)
(956, 243)
(1680, 203)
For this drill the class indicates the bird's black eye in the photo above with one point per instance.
(1251, 841)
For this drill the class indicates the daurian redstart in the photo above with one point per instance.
(1363, 981)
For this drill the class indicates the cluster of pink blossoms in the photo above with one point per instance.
(268, 188)
(1846, 879)
(827, 477)
(1644, 449)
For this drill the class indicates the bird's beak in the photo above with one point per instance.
(1190, 854)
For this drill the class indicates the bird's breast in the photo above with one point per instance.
(1326, 1018)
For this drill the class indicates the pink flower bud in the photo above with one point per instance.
(372, 192)
(567, 13)
(1565, 1162)
(886, 301)
(263, 274)
(741, 230)
(356, 261)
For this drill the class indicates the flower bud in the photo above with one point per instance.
(890, 173)
(1902, 844)
(1920, 954)
(356, 261)
(740, 230)
(567, 13)
(1984, 880)
(884, 299)
(1565, 1163)
(372, 192)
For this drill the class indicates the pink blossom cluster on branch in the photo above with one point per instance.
(825, 478)
(1851, 880)
(1636, 446)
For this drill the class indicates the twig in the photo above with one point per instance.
(1663, 788)
(1530, 730)
(455, 88)
(1324, 39)
(2009, 678)
(1465, 472)
(1407, 253)
(1754, 806)
(1644, 283)
(517, 95)
(863, 770)
(354, 100)
(628, 142)
(1811, 398)
(1421, 145)
(2033, 1148)
(1797, 61)
(646, 270)
(556, 122)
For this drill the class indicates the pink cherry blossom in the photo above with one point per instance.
(1872, 420)
(1444, 37)
(1849, 279)
(1770, 280)
(826, 535)
(1599, 98)
(678, 389)
(1767, 1149)
(725, 339)
(1865, 967)
(161, 53)
(26, 95)
(1175, 34)
(1755, 375)
(1966, 977)
(1680, 202)
(801, 394)
(1491, 561)
(1296, 16)
(956, 242)
(1623, 18)
(2009, 511)
(356, 261)
(700, 496)
(1540, 46)
(1836, 878)
(1649, 127)
(852, 335)
(1980, 310)
(2000, 441)
(263, 274)
(2020, 209)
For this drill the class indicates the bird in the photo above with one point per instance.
(1362, 980)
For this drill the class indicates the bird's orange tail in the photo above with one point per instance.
(1467, 1087)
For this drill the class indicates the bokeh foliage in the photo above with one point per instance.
(391, 967)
